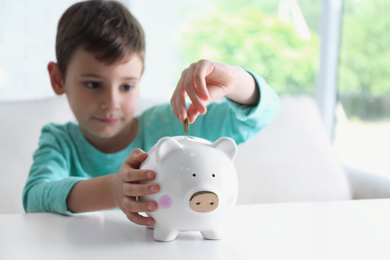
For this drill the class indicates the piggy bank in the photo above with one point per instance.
(198, 185)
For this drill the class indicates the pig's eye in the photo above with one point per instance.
(213, 175)
(194, 175)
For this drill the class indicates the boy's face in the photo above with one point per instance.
(102, 96)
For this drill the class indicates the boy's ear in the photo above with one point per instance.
(56, 79)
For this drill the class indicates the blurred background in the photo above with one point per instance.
(336, 51)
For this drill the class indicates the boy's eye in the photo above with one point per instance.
(126, 87)
(91, 84)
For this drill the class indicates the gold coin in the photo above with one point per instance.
(186, 125)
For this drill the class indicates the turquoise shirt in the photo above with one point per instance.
(65, 157)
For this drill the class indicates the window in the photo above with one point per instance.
(277, 39)
(362, 132)
(27, 39)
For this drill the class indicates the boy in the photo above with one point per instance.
(86, 166)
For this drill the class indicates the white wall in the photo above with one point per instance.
(27, 36)
(27, 44)
(158, 20)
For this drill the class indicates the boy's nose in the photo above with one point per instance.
(110, 101)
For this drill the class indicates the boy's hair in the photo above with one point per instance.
(105, 28)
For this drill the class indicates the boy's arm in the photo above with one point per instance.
(48, 183)
(205, 82)
(240, 122)
(223, 118)
(51, 188)
(91, 195)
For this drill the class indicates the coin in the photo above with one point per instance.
(186, 125)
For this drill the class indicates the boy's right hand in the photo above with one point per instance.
(127, 188)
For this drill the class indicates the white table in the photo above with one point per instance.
(321, 230)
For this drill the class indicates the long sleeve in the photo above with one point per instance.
(49, 182)
(63, 158)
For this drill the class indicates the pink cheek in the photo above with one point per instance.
(231, 200)
(165, 202)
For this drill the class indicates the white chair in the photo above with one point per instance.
(290, 161)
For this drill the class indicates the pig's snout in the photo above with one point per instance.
(204, 201)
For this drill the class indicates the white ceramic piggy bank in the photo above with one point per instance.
(198, 185)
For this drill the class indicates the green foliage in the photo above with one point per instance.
(249, 33)
(365, 54)
(245, 36)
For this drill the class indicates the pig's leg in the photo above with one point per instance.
(163, 234)
(216, 233)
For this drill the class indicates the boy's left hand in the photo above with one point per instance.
(126, 187)
(206, 81)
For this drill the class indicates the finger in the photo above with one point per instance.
(140, 220)
(199, 76)
(192, 113)
(136, 189)
(193, 94)
(136, 157)
(131, 205)
(135, 175)
(178, 101)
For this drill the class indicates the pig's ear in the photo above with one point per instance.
(166, 145)
(226, 145)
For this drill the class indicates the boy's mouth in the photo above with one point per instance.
(107, 121)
